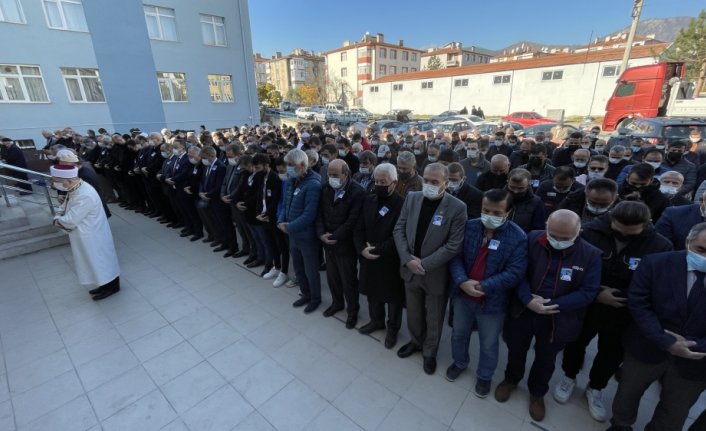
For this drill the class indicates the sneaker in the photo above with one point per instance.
(504, 390)
(280, 280)
(291, 283)
(482, 388)
(564, 389)
(272, 273)
(453, 372)
(595, 404)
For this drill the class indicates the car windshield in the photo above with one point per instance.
(681, 131)
(446, 127)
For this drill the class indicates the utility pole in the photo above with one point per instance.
(636, 10)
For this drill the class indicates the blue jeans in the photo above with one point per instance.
(305, 259)
(467, 316)
(264, 248)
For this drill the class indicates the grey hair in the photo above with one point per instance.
(387, 168)
(208, 151)
(368, 157)
(695, 231)
(617, 148)
(155, 135)
(297, 157)
(436, 166)
(107, 139)
(673, 174)
(406, 158)
(313, 155)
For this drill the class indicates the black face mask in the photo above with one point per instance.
(381, 192)
(534, 162)
(574, 146)
(622, 237)
(674, 157)
(404, 176)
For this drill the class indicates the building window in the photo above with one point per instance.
(501, 79)
(363, 69)
(172, 86)
(373, 88)
(397, 87)
(344, 72)
(11, 11)
(83, 85)
(22, 84)
(405, 55)
(382, 70)
(393, 54)
(427, 85)
(405, 69)
(414, 56)
(344, 56)
(383, 53)
(221, 88)
(393, 70)
(551, 75)
(64, 14)
(461, 83)
(611, 70)
(161, 23)
(413, 69)
(213, 30)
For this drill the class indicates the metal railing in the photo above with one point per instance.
(43, 182)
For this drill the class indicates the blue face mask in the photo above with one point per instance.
(291, 172)
(696, 261)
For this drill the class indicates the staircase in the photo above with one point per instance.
(25, 228)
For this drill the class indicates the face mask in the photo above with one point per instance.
(655, 165)
(668, 190)
(382, 191)
(164, 154)
(674, 157)
(562, 190)
(342, 153)
(291, 172)
(175, 152)
(404, 176)
(60, 186)
(660, 147)
(559, 245)
(599, 150)
(232, 161)
(614, 160)
(696, 261)
(635, 148)
(498, 143)
(430, 191)
(365, 171)
(694, 140)
(627, 158)
(595, 175)
(51, 157)
(580, 164)
(206, 162)
(598, 211)
(324, 160)
(454, 185)
(585, 146)
(472, 153)
(534, 161)
(418, 152)
(433, 158)
(335, 183)
(491, 222)
(194, 161)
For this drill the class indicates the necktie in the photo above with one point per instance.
(697, 290)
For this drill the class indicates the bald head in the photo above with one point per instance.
(563, 225)
(338, 168)
(500, 164)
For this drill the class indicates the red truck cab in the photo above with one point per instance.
(642, 91)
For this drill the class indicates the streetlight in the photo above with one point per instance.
(636, 11)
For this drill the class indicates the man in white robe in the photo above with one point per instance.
(83, 217)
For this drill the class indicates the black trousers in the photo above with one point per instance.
(342, 276)
(246, 236)
(376, 309)
(225, 231)
(519, 333)
(609, 324)
(677, 396)
(187, 204)
(280, 246)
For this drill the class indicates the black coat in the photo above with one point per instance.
(270, 191)
(472, 197)
(488, 180)
(193, 180)
(649, 195)
(338, 214)
(380, 279)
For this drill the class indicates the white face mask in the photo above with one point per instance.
(335, 183)
(655, 165)
(431, 191)
(491, 222)
(60, 186)
(454, 185)
(232, 161)
(193, 161)
(599, 150)
(559, 245)
(206, 162)
(614, 160)
(342, 153)
(472, 153)
(595, 175)
(417, 152)
(283, 177)
(694, 140)
(669, 190)
(365, 171)
(598, 211)
(433, 158)
(580, 164)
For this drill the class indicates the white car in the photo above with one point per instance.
(326, 116)
(473, 119)
(362, 114)
(305, 113)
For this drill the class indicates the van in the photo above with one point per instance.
(335, 107)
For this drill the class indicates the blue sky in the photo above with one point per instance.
(282, 25)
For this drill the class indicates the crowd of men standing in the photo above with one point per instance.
(535, 241)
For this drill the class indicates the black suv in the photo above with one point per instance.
(662, 129)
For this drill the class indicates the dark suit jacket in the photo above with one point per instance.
(212, 180)
(472, 197)
(180, 171)
(676, 222)
(657, 300)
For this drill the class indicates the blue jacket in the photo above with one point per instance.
(582, 265)
(676, 222)
(505, 268)
(657, 301)
(301, 204)
(626, 170)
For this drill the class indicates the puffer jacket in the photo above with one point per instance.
(301, 205)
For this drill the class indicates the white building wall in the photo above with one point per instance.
(582, 91)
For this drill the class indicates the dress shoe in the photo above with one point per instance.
(333, 309)
(172, 224)
(177, 226)
(311, 307)
(184, 230)
(370, 327)
(214, 243)
(300, 302)
(185, 234)
(208, 239)
(195, 238)
(351, 321)
(504, 390)
(255, 264)
(165, 221)
(95, 291)
(220, 248)
(230, 253)
(153, 215)
(408, 350)
(536, 408)
(390, 338)
(429, 364)
(106, 293)
(240, 254)
(249, 260)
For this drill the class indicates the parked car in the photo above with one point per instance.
(363, 114)
(490, 127)
(446, 115)
(335, 107)
(421, 126)
(305, 113)
(531, 131)
(286, 105)
(663, 129)
(316, 108)
(401, 115)
(326, 116)
(527, 118)
(448, 127)
(390, 125)
(473, 119)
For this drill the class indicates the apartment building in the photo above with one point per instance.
(454, 54)
(298, 68)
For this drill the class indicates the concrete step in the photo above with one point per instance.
(33, 244)
(25, 232)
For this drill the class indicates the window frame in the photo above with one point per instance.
(427, 85)
(344, 55)
(382, 69)
(221, 87)
(414, 56)
(3, 94)
(382, 52)
(374, 89)
(461, 82)
(551, 75)
(393, 54)
(501, 79)
(159, 22)
(344, 72)
(171, 87)
(213, 24)
(60, 7)
(23, 19)
(397, 87)
(615, 68)
(78, 77)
